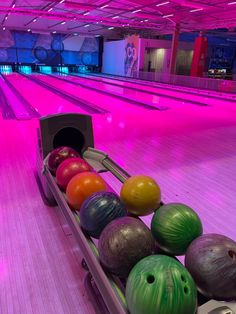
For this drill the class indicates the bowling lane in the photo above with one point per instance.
(44, 101)
(148, 92)
(110, 103)
(183, 90)
(121, 113)
(153, 96)
(13, 106)
(183, 107)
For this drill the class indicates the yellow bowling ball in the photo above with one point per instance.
(141, 195)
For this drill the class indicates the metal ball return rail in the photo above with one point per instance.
(105, 291)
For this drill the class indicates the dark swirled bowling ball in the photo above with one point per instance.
(211, 260)
(98, 210)
(122, 243)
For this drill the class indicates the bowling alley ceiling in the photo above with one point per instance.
(120, 17)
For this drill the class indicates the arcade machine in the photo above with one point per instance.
(75, 130)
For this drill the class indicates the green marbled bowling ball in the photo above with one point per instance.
(160, 284)
(174, 227)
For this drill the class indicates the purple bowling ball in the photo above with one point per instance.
(123, 243)
(211, 260)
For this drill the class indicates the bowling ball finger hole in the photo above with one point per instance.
(150, 279)
(183, 278)
(232, 254)
(186, 290)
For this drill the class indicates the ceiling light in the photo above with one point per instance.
(61, 1)
(49, 10)
(54, 32)
(4, 28)
(75, 34)
(97, 22)
(146, 20)
(87, 25)
(34, 20)
(230, 3)
(115, 17)
(162, 3)
(135, 11)
(14, 5)
(141, 21)
(86, 13)
(97, 35)
(28, 30)
(62, 23)
(6, 17)
(168, 15)
(104, 6)
(196, 10)
(110, 28)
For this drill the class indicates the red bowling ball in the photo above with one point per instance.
(68, 169)
(58, 155)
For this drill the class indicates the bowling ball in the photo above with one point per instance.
(98, 210)
(81, 186)
(174, 227)
(58, 155)
(68, 169)
(160, 284)
(211, 260)
(141, 195)
(123, 242)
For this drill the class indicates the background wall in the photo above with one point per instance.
(158, 52)
(184, 62)
(52, 49)
(150, 44)
(113, 57)
(154, 60)
(222, 39)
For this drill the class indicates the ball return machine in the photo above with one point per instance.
(75, 130)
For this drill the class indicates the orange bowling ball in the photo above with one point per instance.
(141, 195)
(82, 186)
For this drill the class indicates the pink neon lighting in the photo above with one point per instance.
(168, 15)
(196, 10)
(163, 3)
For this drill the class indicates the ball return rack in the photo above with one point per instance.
(105, 291)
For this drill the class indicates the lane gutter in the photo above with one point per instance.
(86, 106)
(28, 107)
(134, 101)
(198, 103)
(7, 111)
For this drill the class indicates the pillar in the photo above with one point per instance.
(174, 49)
(199, 55)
